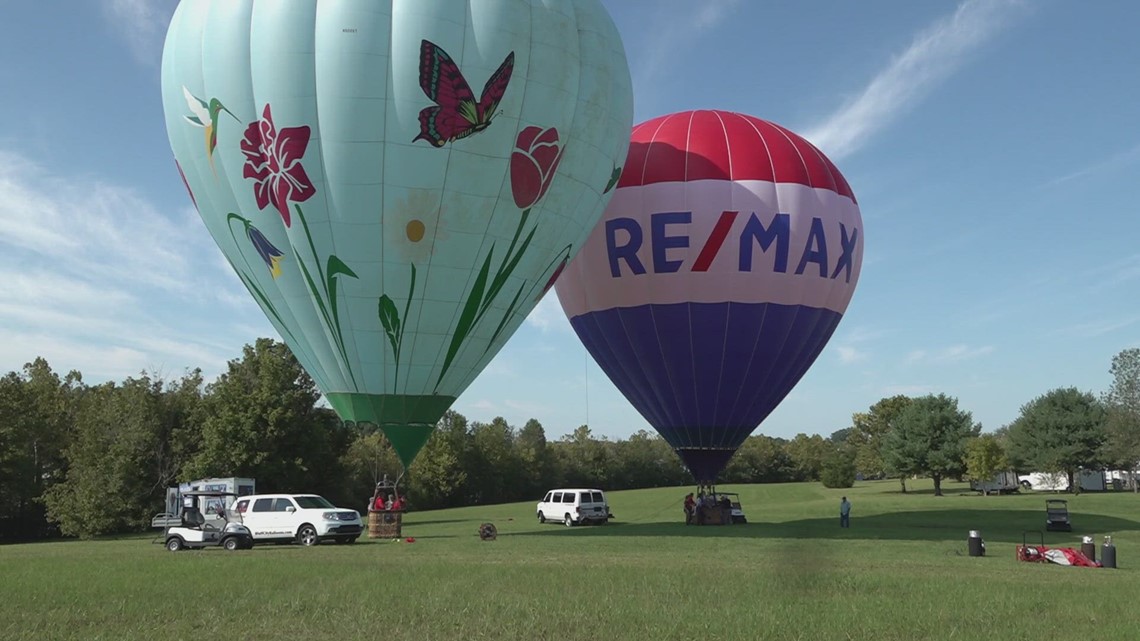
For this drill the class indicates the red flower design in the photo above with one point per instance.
(553, 278)
(533, 164)
(273, 161)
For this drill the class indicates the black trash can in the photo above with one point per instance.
(1108, 553)
(976, 545)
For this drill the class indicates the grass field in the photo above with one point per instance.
(900, 572)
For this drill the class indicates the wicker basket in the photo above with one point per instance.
(385, 524)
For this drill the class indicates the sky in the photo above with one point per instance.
(994, 148)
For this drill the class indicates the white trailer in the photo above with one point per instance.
(1002, 483)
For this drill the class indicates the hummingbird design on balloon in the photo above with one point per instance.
(205, 115)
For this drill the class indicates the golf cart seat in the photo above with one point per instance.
(193, 518)
(1057, 516)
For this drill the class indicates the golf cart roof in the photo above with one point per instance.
(728, 494)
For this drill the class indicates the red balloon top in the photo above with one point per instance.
(724, 145)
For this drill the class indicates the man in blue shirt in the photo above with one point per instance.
(844, 513)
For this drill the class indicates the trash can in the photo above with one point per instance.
(1088, 548)
(1108, 553)
(976, 545)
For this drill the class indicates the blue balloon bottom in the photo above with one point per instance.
(706, 374)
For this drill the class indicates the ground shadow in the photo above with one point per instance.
(922, 525)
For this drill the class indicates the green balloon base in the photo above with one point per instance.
(406, 419)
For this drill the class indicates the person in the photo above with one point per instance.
(391, 500)
(844, 512)
(725, 510)
(378, 503)
(690, 507)
(397, 504)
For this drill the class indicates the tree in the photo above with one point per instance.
(1122, 401)
(839, 468)
(1061, 431)
(760, 459)
(868, 431)
(929, 437)
(806, 455)
(260, 420)
(985, 457)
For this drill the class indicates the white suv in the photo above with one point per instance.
(574, 506)
(305, 518)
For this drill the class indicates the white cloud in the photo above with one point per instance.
(847, 346)
(674, 29)
(142, 24)
(908, 390)
(96, 278)
(1102, 326)
(1114, 162)
(850, 354)
(548, 316)
(951, 354)
(935, 54)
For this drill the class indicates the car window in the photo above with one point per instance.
(282, 505)
(557, 498)
(568, 497)
(546, 499)
(584, 497)
(313, 502)
(598, 498)
(263, 505)
(241, 506)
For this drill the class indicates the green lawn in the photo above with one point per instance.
(900, 572)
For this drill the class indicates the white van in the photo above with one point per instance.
(305, 518)
(574, 506)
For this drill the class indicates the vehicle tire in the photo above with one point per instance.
(567, 521)
(307, 536)
(541, 518)
(350, 540)
(174, 544)
(230, 543)
(1025, 485)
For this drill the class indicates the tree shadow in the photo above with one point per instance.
(925, 525)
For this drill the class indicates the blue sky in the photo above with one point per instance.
(994, 148)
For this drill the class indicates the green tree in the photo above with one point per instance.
(929, 437)
(868, 432)
(806, 455)
(839, 468)
(439, 476)
(760, 459)
(535, 464)
(1061, 431)
(985, 457)
(260, 419)
(1122, 400)
(37, 412)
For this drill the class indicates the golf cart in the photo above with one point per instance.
(1057, 516)
(193, 530)
(737, 511)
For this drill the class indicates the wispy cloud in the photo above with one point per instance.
(1115, 162)
(908, 390)
(548, 316)
(951, 354)
(1101, 326)
(92, 273)
(142, 24)
(850, 354)
(934, 55)
(675, 27)
(847, 347)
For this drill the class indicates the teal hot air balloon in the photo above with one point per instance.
(397, 182)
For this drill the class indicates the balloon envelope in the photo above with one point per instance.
(717, 274)
(396, 182)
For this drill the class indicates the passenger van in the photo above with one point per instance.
(574, 506)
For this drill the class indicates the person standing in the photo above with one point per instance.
(844, 512)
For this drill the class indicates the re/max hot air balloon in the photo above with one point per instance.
(717, 274)
(396, 181)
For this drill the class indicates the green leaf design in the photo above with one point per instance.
(335, 267)
(390, 319)
(506, 317)
(613, 179)
(506, 271)
(467, 317)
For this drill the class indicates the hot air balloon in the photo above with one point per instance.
(396, 181)
(717, 274)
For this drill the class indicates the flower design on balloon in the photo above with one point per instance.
(533, 164)
(270, 254)
(273, 162)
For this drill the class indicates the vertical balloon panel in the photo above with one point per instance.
(397, 183)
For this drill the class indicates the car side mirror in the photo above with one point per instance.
(290, 509)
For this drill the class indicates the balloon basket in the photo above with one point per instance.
(385, 524)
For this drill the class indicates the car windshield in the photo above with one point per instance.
(312, 502)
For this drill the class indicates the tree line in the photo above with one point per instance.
(86, 460)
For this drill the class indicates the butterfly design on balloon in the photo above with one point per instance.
(457, 114)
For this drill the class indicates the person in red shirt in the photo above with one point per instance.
(690, 506)
(397, 504)
(378, 503)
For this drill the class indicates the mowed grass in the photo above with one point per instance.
(900, 572)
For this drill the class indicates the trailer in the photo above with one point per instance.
(177, 499)
(1002, 483)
